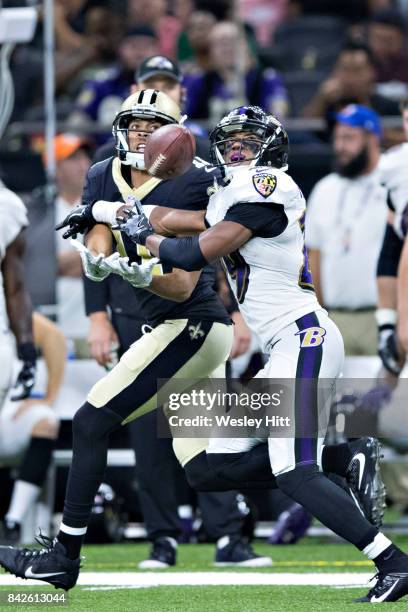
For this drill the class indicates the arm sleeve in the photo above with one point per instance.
(390, 253)
(184, 253)
(265, 220)
(96, 295)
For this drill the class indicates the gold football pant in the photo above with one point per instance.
(178, 348)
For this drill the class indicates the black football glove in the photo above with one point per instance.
(387, 349)
(135, 224)
(78, 221)
(26, 378)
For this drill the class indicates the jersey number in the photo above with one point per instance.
(238, 270)
(305, 275)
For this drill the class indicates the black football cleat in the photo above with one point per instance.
(162, 555)
(364, 480)
(50, 564)
(389, 587)
(237, 552)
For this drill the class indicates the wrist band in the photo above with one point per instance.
(105, 212)
(386, 316)
(26, 351)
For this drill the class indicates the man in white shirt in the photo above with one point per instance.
(73, 162)
(53, 267)
(345, 224)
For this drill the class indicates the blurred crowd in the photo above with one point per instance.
(293, 57)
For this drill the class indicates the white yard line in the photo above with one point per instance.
(154, 579)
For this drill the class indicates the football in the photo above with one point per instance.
(169, 151)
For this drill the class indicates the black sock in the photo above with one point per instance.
(91, 428)
(336, 459)
(390, 559)
(36, 461)
(73, 544)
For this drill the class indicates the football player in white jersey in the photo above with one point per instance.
(256, 226)
(392, 272)
(27, 426)
(15, 304)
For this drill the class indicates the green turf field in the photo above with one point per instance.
(312, 557)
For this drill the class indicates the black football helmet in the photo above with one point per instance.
(274, 149)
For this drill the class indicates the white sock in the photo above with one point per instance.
(73, 531)
(377, 546)
(25, 494)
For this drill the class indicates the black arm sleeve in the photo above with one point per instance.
(264, 220)
(96, 295)
(184, 253)
(390, 253)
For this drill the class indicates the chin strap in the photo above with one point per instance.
(136, 160)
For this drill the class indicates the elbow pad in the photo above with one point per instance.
(184, 253)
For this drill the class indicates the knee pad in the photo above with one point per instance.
(289, 482)
(93, 423)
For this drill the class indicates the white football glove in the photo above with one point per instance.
(92, 264)
(138, 275)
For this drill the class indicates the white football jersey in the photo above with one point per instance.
(393, 168)
(270, 277)
(13, 218)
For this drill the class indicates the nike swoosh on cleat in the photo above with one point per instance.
(356, 501)
(375, 599)
(30, 574)
(360, 457)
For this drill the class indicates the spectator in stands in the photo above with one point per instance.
(73, 161)
(160, 72)
(351, 82)
(102, 34)
(69, 20)
(101, 97)
(153, 14)
(194, 42)
(352, 10)
(264, 16)
(30, 428)
(345, 224)
(234, 79)
(386, 39)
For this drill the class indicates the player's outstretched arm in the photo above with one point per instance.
(170, 221)
(193, 253)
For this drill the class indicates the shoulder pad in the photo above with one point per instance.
(100, 167)
(264, 184)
